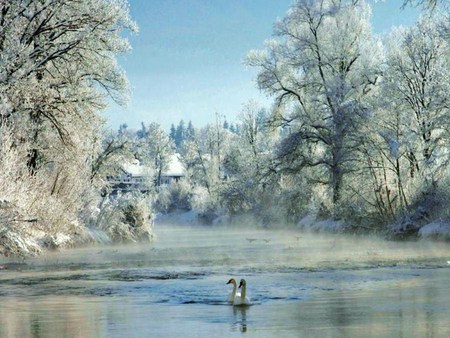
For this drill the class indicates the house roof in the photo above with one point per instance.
(135, 168)
(175, 167)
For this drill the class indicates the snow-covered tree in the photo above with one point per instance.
(428, 4)
(417, 82)
(155, 148)
(248, 163)
(403, 152)
(320, 70)
(57, 67)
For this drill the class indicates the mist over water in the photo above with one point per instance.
(300, 284)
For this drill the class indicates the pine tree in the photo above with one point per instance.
(141, 133)
(173, 132)
(123, 128)
(190, 131)
(180, 134)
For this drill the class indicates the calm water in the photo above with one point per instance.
(302, 285)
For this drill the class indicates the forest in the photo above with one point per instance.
(357, 138)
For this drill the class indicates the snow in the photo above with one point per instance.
(310, 222)
(307, 221)
(175, 168)
(188, 217)
(95, 236)
(330, 225)
(436, 229)
(405, 226)
(135, 168)
(56, 241)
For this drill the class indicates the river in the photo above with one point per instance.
(301, 285)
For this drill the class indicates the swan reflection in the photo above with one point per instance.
(240, 318)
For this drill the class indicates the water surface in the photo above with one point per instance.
(301, 285)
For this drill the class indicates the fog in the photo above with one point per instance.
(234, 247)
(299, 283)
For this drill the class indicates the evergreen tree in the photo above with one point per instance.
(173, 132)
(179, 134)
(190, 131)
(141, 133)
(122, 129)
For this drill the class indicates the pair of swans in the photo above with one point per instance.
(236, 298)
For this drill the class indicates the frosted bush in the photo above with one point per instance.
(200, 199)
(175, 196)
(127, 218)
(163, 200)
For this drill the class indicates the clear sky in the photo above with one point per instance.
(187, 58)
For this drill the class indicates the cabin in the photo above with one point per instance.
(175, 171)
(135, 176)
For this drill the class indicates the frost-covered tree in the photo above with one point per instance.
(242, 164)
(320, 70)
(247, 164)
(57, 67)
(417, 82)
(428, 4)
(55, 56)
(155, 148)
(204, 154)
(197, 161)
(403, 149)
(109, 159)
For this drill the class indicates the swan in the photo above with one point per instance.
(233, 294)
(242, 300)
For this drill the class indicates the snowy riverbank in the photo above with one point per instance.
(436, 230)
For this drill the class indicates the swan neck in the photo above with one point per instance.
(234, 290)
(243, 291)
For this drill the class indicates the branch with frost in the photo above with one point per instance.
(427, 4)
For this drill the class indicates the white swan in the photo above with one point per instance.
(242, 300)
(233, 294)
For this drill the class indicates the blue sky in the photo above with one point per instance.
(187, 58)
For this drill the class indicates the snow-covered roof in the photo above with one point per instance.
(135, 168)
(175, 167)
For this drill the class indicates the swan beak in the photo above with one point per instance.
(240, 284)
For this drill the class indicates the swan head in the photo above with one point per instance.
(242, 283)
(232, 281)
